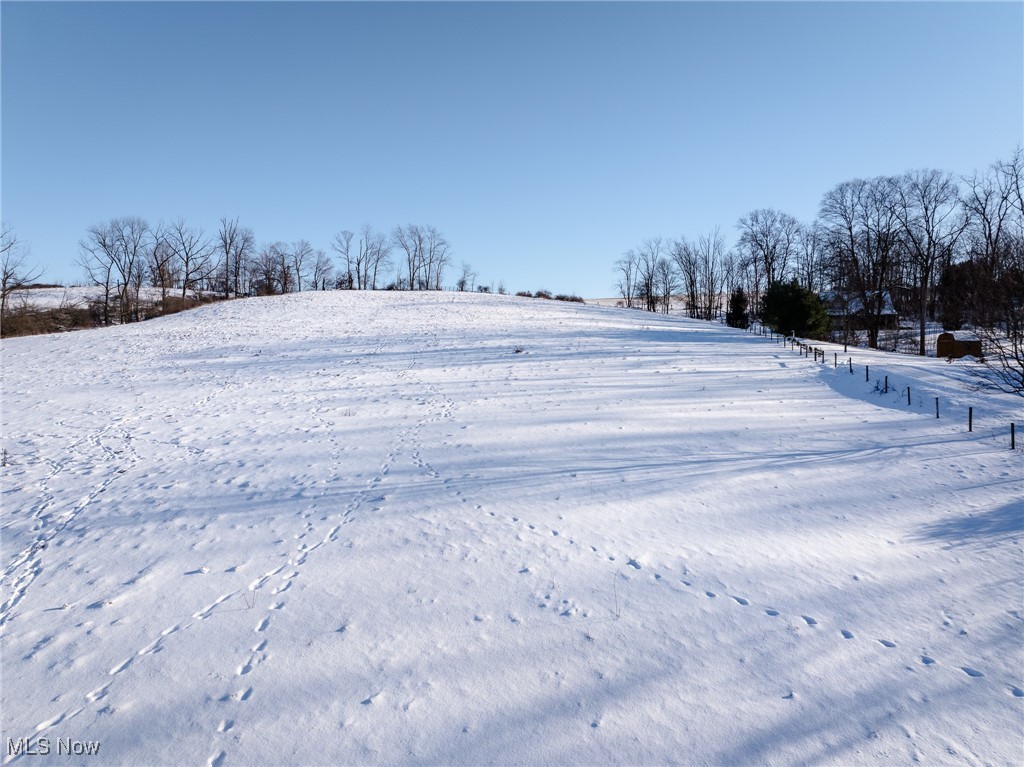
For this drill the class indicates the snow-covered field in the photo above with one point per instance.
(77, 296)
(380, 528)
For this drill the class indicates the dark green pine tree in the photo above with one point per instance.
(790, 308)
(736, 316)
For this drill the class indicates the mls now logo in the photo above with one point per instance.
(44, 747)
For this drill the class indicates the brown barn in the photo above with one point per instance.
(956, 344)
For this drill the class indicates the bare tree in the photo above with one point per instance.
(647, 257)
(364, 264)
(466, 279)
(438, 256)
(323, 269)
(367, 244)
(98, 265)
(244, 250)
(684, 256)
(626, 268)
(376, 250)
(301, 253)
(997, 204)
(927, 206)
(411, 240)
(770, 237)
(227, 236)
(666, 282)
(113, 256)
(193, 251)
(713, 260)
(15, 274)
(285, 274)
(342, 243)
(132, 234)
(160, 262)
(705, 269)
(235, 244)
(1004, 342)
(864, 239)
(810, 264)
(992, 203)
(267, 270)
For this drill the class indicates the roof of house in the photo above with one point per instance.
(839, 303)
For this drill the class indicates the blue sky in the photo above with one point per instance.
(543, 139)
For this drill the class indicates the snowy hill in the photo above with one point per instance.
(347, 528)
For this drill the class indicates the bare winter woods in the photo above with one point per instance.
(922, 247)
(888, 259)
(143, 270)
(183, 261)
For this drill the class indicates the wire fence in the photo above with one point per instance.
(882, 385)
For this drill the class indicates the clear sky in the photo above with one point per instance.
(543, 139)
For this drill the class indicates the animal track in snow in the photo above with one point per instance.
(240, 695)
(809, 620)
(99, 693)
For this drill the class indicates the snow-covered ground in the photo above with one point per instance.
(76, 296)
(380, 528)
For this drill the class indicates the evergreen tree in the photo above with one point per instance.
(791, 308)
(736, 317)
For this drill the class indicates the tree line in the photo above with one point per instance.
(127, 258)
(123, 255)
(926, 245)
